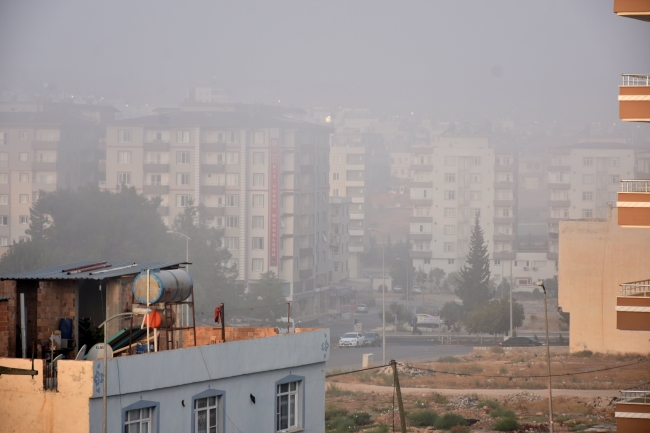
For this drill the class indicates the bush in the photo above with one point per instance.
(501, 412)
(503, 370)
(332, 412)
(506, 424)
(583, 354)
(449, 420)
(381, 428)
(449, 359)
(423, 418)
(335, 391)
(362, 418)
(440, 399)
(492, 404)
(497, 350)
(460, 429)
(340, 423)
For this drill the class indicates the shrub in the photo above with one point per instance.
(497, 350)
(362, 418)
(503, 370)
(506, 424)
(381, 428)
(501, 412)
(492, 404)
(332, 412)
(449, 420)
(449, 359)
(583, 354)
(423, 418)
(420, 403)
(335, 391)
(460, 429)
(340, 423)
(440, 399)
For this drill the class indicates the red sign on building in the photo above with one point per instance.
(274, 197)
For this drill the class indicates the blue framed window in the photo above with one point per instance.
(290, 403)
(208, 412)
(141, 417)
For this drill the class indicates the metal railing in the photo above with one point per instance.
(636, 79)
(636, 289)
(636, 394)
(635, 186)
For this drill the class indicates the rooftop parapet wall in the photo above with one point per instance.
(212, 335)
(27, 407)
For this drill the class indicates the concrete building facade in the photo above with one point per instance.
(340, 238)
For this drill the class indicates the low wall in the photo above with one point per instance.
(536, 349)
(27, 407)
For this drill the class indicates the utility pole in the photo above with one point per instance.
(512, 280)
(383, 297)
(548, 362)
(400, 404)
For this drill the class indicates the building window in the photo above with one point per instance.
(449, 247)
(450, 212)
(258, 222)
(4, 159)
(450, 261)
(232, 157)
(523, 281)
(450, 177)
(231, 243)
(24, 198)
(258, 138)
(450, 230)
(497, 262)
(208, 416)
(450, 160)
(138, 420)
(124, 157)
(258, 243)
(232, 137)
(450, 195)
(182, 178)
(23, 135)
(232, 200)
(258, 179)
(182, 136)
(232, 222)
(614, 162)
(4, 241)
(156, 179)
(614, 178)
(4, 199)
(258, 265)
(258, 158)
(475, 195)
(336, 176)
(183, 200)
(23, 157)
(24, 219)
(4, 220)
(587, 161)
(289, 403)
(427, 261)
(182, 157)
(587, 196)
(24, 177)
(4, 178)
(476, 160)
(124, 135)
(587, 213)
(475, 178)
(258, 200)
(588, 179)
(123, 178)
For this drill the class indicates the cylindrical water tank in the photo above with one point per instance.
(164, 286)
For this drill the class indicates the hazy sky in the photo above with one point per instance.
(472, 59)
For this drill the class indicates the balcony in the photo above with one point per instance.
(504, 203)
(634, 97)
(551, 256)
(422, 184)
(156, 146)
(213, 168)
(213, 147)
(45, 145)
(304, 168)
(213, 189)
(420, 254)
(559, 168)
(422, 167)
(503, 238)
(306, 251)
(556, 185)
(633, 408)
(335, 239)
(422, 201)
(155, 189)
(420, 219)
(154, 167)
(43, 166)
(633, 306)
(215, 211)
(504, 220)
(503, 255)
(306, 274)
(504, 184)
(504, 168)
(559, 203)
(637, 9)
(634, 203)
(421, 236)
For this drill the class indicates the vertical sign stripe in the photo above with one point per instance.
(274, 196)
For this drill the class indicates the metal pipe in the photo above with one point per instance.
(23, 328)
(148, 285)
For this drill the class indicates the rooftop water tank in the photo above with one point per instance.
(164, 286)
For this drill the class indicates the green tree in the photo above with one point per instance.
(494, 318)
(474, 289)
(451, 314)
(265, 299)
(503, 289)
(437, 274)
(403, 313)
(551, 287)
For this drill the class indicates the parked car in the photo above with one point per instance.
(398, 289)
(520, 342)
(351, 339)
(371, 339)
(362, 308)
(382, 287)
(416, 290)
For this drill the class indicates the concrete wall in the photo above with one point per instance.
(8, 318)
(170, 379)
(595, 258)
(27, 407)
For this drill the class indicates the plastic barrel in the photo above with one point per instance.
(65, 326)
(164, 286)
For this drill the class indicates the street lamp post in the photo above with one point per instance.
(548, 361)
(136, 311)
(383, 297)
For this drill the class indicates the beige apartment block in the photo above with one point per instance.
(348, 179)
(263, 178)
(41, 151)
(596, 257)
(340, 237)
(454, 179)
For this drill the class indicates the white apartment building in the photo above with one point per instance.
(582, 180)
(41, 151)
(340, 238)
(453, 180)
(263, 178)
(348, 179)
(400, 165)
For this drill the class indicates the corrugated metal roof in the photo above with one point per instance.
(85, 270)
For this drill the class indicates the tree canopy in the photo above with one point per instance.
(265, 299)
(494, 318)
(474, 287)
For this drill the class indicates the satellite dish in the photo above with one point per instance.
(81, 353)
(97, 352)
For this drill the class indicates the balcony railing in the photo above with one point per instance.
(640, 80)
(636, 394)
(636, 289)
(635, 186)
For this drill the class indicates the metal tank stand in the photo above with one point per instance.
(171, 324)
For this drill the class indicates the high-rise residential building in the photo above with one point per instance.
(263, 178)
(348, 179)
(455, 179)
(41, 151)
(400, 165)
(340, 237)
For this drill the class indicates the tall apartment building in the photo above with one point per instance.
(583, 180)
(263, 178)
(454, 179)
(348, 179)
(400, 165)
(41, 151)
(340, 237)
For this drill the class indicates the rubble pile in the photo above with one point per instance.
(603, 402)
(403, 369)
(522, 396)
(463, 401)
